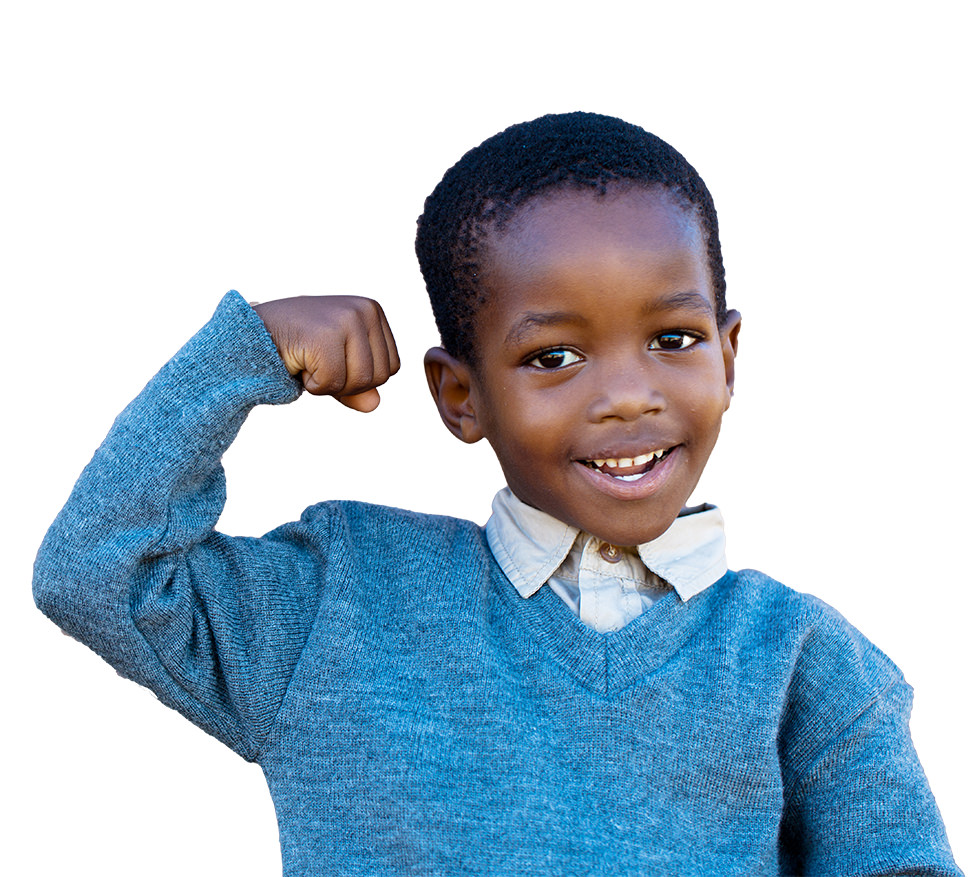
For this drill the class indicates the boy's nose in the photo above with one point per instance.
(625, 393)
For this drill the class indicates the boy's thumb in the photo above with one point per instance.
(366, 401)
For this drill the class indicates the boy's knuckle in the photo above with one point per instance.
(371, 311)
(360, 378)
(321, 382)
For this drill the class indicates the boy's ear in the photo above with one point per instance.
(450, 385)
(729, 347)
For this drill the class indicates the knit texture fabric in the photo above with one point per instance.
(414, 715)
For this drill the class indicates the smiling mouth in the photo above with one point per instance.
(628, 468)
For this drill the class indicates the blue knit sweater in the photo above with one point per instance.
(456, 728)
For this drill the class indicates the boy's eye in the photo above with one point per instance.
(673, 341)
(557, 358)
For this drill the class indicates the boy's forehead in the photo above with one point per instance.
(573, 230)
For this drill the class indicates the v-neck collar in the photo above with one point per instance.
(606, 664)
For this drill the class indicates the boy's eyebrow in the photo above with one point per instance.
(530, 320)
(691, 300)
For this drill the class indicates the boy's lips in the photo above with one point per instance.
(630, 477)
(628, 467)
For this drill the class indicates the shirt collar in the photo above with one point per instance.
(530, 545)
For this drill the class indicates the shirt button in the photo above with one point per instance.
(610, 553)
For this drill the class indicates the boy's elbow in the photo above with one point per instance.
(75, 595)
(63, 583)
(52, 588)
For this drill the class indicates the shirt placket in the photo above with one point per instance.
(608, 598)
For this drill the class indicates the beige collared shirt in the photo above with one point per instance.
(605, 586)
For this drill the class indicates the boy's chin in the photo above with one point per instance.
(622, 530)
(629, 534)
(628, 525)
(633, 538)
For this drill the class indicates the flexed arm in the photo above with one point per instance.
(132, 565)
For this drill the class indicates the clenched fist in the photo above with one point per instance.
(340, 345)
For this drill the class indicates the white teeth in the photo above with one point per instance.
(627, 462)
(629, 477)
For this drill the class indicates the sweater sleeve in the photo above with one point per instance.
(133, 568)
(857, 800)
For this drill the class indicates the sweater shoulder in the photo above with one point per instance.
(807, 620)
(380, 523)
(829, 673)
(365, 538)
(817, 636)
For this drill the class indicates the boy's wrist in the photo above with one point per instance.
(247, 347)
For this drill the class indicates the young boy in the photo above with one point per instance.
(579, 687)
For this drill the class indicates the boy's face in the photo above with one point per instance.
(602, 375)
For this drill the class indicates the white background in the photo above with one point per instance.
(155, 155)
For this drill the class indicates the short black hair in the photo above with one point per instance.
(484, 189)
